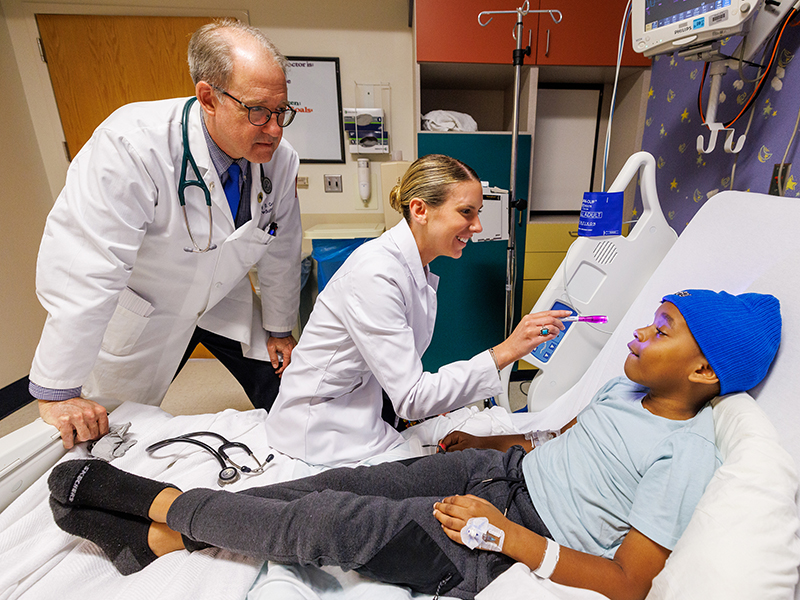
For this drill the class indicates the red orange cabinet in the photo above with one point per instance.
(448, 31)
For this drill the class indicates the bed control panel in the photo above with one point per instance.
(543, 352)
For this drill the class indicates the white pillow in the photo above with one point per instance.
(742, 540)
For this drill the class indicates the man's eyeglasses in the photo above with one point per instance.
(259, 115)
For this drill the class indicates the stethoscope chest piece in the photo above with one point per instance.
(228, 475)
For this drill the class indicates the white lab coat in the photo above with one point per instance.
(123, 296)
(369, 328)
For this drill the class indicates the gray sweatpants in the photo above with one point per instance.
(376, 520)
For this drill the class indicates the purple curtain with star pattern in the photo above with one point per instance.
(686, 178)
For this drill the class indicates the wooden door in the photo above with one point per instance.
(98, 63)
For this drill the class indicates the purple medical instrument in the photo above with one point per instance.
(585, 319)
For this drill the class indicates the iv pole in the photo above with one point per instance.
(514, 202)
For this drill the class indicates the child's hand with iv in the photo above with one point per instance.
(458, 513)
(463, 520)
(459, 440)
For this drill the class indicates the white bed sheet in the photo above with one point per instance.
(41, 561)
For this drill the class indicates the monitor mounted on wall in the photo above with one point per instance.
(666, 26)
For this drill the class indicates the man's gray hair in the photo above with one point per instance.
(210, 55)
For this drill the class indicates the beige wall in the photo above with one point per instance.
(374, 45)
(24, 201)
(371, 39)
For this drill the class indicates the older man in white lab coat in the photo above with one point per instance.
(128, 289)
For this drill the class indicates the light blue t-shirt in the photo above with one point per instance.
(620, 466)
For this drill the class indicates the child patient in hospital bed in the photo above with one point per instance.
(600, 506)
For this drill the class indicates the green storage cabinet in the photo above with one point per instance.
(471, 294)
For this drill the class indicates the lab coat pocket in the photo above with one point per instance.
(259, 242)
(127, 323)
(263, 236)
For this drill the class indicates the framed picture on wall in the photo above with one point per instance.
(315, 92)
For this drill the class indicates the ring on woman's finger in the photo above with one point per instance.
(544, 331)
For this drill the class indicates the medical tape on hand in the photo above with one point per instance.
(479, 533)
(539, 437)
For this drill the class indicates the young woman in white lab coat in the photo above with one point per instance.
(373, 322)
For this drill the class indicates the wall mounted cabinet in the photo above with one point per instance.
(448, 31)
(588, 35)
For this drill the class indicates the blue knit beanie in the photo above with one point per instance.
(738, 335)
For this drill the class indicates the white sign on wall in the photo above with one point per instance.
(315, 92)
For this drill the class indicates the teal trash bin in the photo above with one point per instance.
(332, 243)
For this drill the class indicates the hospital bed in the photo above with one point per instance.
(742, 541)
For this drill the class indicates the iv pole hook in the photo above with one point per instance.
(523, 10)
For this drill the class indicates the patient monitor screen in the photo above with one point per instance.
(668, 25)
(659, 13)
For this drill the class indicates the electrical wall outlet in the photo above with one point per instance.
(302, 182)
(773, 186)
(333, 183)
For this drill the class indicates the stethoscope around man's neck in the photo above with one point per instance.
(188, 160)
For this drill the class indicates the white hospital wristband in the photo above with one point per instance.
(549, 561)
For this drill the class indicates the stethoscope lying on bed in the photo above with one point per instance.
(188, 160)
(230, 472)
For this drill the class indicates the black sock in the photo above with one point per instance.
(193, 546)
(122, 537)
(97, 484)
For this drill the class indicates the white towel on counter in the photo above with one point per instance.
(448, 120)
